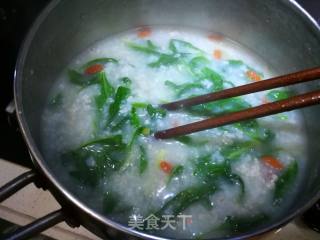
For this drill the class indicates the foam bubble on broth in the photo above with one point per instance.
(70, 124)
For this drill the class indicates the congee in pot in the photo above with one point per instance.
(104, 108)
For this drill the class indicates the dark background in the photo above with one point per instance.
(16, 16)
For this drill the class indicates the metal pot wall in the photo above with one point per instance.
(277, 30)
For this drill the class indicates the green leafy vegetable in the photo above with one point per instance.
(277, 95)
(183, 88)
(241, 224)
(121, 95)
(106, 90)
(206, 202)
(148, 48)
(186, 198)
(127, 159)
(150, 44)
(140, 105)
(258, 136)
(187, 140)
(85, 80)
(152, 111)
(285, 182)
(172, 85)
(81, 79)
(236, 179)
(134, 136)
(236, 150)
(184, 139)
(143, 161)
(220, 107)
(155, 112)
(99, 61)
(197, 64)
(282, 116)
(214, 77)
(180, 46)
(252, 129)
(95, 159)
(112, 141)
(179, 49)
(134, 118)
(126, 81)
(235, 62)
(176, 171)
(165, 60)
(115, 126)
(210, 172)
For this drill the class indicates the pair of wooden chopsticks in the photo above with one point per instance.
(300, 101)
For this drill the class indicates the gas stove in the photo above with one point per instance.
(16, 17)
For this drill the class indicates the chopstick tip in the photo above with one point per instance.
(159, 135)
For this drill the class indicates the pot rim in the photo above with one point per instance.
(41, 165)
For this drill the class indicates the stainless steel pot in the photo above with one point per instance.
(278, 30)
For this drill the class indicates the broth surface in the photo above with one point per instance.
(101, 114)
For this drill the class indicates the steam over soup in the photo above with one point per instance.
(101, 115)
